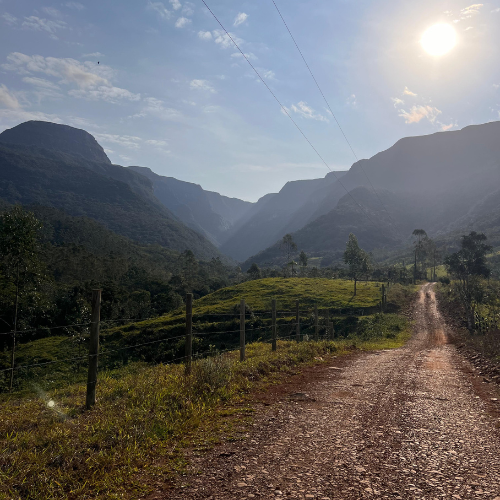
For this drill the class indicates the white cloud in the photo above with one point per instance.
(67, 70)
(157, 108)
(160, 9)
(9, 19)
(417, 113)
(496, 86)
(51, 11)
(205, 35)
(176, 5)
(444, 127)
(407, 91)
(93, 54)
(181, 22)
(222, 39)
(75, 5)
(7, 99)
(248, 55)
(188, 9)
(306, 111)
(351, 101)
(240, 19)
(127, 141)
(267, 74)
(40, 82)
(397, 101)
(41, 24)
(495, 10)
(469, 28)
(109, 94)
(157, 143)
(470, 11)
(201, 85)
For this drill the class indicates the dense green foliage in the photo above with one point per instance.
(75, 255)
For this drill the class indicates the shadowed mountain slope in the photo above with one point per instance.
(118, 198)
(209, 213)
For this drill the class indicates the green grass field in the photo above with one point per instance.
(215, 320)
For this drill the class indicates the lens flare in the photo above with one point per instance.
(439, 39)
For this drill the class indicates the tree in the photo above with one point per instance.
(254, 272)
(303, 260)
(288, 246)
(420, 234)
(356, 258)
(467, 266)
(20, 262)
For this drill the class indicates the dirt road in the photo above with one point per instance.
(414, 422)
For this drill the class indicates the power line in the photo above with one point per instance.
(331, 111)
(288, 114)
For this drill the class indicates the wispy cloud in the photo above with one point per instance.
(201, 85)
(40, 82)
(240, 19)
(302, 109)
(93, 55)
(160, 9)
(444, 127)
(224, 41)
(407, 91)
(181, 22)
(41, 24)
(75, 5)
(53, 12)
(494, 11)
(351, 101)
(176, 5)
(249, 55)
(66, 70)
(397, 102)
(205, 35)
(470, 11)
(8, 99)
(9, 19)
(127, 141)
(417, 113)
(104, 93)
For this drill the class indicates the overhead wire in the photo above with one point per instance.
(284, 109)
(331, 111)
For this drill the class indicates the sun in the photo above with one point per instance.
(439, 39)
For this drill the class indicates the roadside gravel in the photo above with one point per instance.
(414, 422)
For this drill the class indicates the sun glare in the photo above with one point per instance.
(439, 39)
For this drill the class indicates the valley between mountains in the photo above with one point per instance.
(414, 422)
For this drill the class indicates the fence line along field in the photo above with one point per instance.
(216, 327)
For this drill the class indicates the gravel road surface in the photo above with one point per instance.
(414, 422)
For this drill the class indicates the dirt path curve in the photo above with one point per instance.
(409, 423)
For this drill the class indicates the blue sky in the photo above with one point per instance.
(172, 93)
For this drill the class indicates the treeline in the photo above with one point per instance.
(50, 262)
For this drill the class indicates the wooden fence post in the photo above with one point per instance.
(297, 321)
(242, 330)
(316, 335)
(93, 348)
(189, 332)
(274, 324)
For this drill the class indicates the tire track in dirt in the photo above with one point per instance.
(400, 424)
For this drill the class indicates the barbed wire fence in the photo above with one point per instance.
(298, 325)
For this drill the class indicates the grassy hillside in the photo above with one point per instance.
(216, 326)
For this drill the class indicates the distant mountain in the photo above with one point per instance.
(209, 213)
(68, 179)
(277, 214)
(56, 137)
(444, 183)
